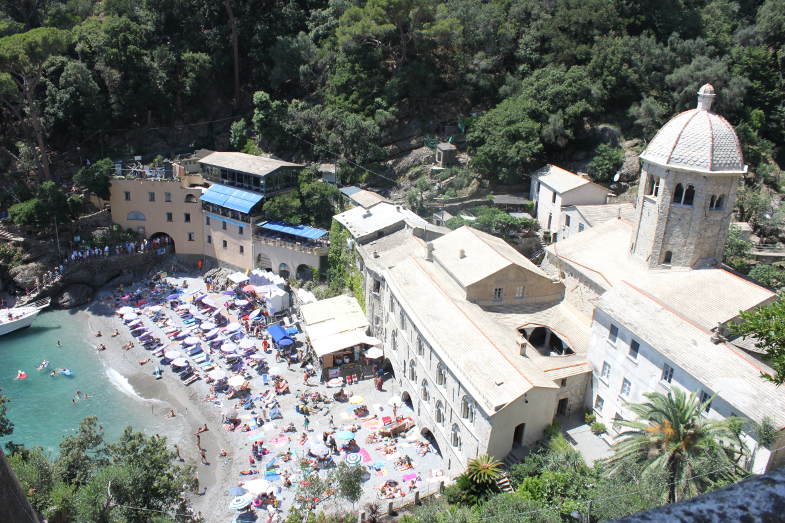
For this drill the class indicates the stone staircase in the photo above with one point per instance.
(8, 236)
(515, 456)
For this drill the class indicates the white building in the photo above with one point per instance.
(554, 188)
(658, 300)
(578, 218)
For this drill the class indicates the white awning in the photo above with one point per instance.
(342, 340)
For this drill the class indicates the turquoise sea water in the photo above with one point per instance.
(41, 407)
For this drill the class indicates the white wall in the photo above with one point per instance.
(644, 374)
(575, 222)
(546, 206)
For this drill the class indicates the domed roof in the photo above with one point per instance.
(698, 140)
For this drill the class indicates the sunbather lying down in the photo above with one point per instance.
(142, 362)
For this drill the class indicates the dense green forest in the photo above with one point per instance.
(526, 80)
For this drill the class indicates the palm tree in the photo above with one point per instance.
(671, 437)
(484, 470)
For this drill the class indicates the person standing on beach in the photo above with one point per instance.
(306, 423)
(203, 455)
(177, 450)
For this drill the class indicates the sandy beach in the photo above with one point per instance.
(164, 395)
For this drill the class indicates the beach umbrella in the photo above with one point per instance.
(246, 343)
(240, 502)
(217, 374)
(131, 316)
(353, 459)
(335, 382)
(237, 491)
(212, 333)
(394, 400)
(179, 362)
(258, 357)
(191, 340)
(236, 381)
(173, 354)
(241, 303)
(373, 353)
(258, 486)
(208, 326)
(232, 327)
(122, 311)
(228, 348)
(228, 293)
(254, 314)
(172, 296)
(249, 288)
(319, 449)
(344, 435)
(357, 400)
(156, 308)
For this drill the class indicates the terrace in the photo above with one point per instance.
(310, 240)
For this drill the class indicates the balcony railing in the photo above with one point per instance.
(313, 248)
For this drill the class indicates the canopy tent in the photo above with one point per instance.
(342, 340)
(238, 277)
(300, 231)
(276, 298)
(258, 277)
(280, 336)
(373, 353)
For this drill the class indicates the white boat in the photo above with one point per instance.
(20, 317)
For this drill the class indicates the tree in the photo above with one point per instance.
(348, 480)
(484, 469)
(673, 437)
(737, 249)
(81, 453)
(320, 199)
(6, 425)
(238, 134)
(96, 178)
(767, 326)
(23, 57)
(284, 207)
(606, 162)
(772, 276)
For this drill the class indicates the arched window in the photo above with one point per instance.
(455, 436)
(394, 341)
(678, 193)
(441, 375)
(666, 260)
(716, 203)
(136, 215)
(420, 347)
(689, 195)
(652, 185)
(424, 393)
(439, 412)
(467, 409)
(190, 198)
(412, 371)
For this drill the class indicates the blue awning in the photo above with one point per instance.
(280, 337)
(302, 231)
(231, 198)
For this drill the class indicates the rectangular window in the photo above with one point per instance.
(625, 387)
(635, 347)
(667, 372)
(566, 221)
(581, 227)
(209, 239)
(519, 292)
(498, 294)
(167, 197)
(224, 244)
(613, 333)
(704, 398)
(187, 217)
(377, 286)
(169, 217)
(599, 403)
(151, 196)
(207, 220)
(127, 196)
(223, 225)
(402, 318)
(240, 230)
(553, 197)
(191, 237)
(606, 370)
(242, 249)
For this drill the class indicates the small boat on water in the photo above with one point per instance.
(44, 364)
(66, 372)
(20, 317)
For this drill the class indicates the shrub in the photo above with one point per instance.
(598, 428)
(589, 418)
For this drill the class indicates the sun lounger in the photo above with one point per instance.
(265, 379)
(192, 379)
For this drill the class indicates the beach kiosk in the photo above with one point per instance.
(336, 330)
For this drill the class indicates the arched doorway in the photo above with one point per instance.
(161, 240)
(304, 272)
(283, 271)
(428, 435)
(517, 435)
(263, 262)
(407, 400)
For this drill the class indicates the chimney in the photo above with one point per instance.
(462, 253)
(375, 254)
(429, 251)
(398, 208)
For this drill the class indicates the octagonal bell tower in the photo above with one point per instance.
(687, 190)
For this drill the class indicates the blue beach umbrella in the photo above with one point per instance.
(344, 435)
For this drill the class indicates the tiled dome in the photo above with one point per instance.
(697, 139)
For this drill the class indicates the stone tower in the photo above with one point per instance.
(687, 189)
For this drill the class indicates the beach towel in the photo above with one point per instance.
(409, 477)
(372, 424)
(366, 457)
(272, 477)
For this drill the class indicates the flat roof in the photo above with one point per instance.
(302, 231)
(724, 369)
(334, 324)
(246, 163)
(231, 198)
(705, 296)
(361, 222)
(597, 214)
(362, 197)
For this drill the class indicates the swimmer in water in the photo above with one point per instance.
(59, 345)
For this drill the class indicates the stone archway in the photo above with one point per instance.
(263, 262)
(427, 434)
(283, 271)
(304, 272)
(162, 241)
(407, 400)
